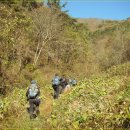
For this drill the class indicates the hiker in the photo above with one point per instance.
(74, 82)
(32, 95)
(56, 85)
(70, 81)
(63, 82)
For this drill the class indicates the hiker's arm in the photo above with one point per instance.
(38, 93)
(52, 80)
(27, 94)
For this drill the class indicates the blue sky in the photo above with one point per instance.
(109, 9)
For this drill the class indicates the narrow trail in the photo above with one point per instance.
(22, 121)
(46, 107)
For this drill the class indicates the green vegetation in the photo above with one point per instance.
(36, 42)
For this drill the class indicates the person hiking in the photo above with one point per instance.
(56, 85)
(74, 82)
(63, 82)
(32, 94)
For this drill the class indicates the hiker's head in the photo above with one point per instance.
(63, 75)
(56, 74)
(33, 82)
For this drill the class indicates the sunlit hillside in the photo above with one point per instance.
(38, 41)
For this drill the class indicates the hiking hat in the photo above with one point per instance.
(33, 82)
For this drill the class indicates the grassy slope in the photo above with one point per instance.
(98, 102)
(94, 23)
(18, 116)
(92, 104)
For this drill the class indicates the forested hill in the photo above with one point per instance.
(37, 41)
(93, 23)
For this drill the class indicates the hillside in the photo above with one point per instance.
(94, 24)
(38, 41)
(96, 103)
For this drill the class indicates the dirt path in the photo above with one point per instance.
(46, 107)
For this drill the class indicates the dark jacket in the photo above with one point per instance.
(63, 81)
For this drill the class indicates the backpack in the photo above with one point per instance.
(70, 81)
(56, 81)
(74, 82)
(64, 81)
(33, 91)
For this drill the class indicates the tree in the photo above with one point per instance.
(25, 3)
(47, 24)
(56, 4)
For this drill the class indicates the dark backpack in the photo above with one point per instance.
(64, 81)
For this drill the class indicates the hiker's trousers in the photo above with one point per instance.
(33, 104)
(56, 91)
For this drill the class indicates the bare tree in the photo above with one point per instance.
(47, 24)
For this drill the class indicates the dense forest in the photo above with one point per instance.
(37, 41)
